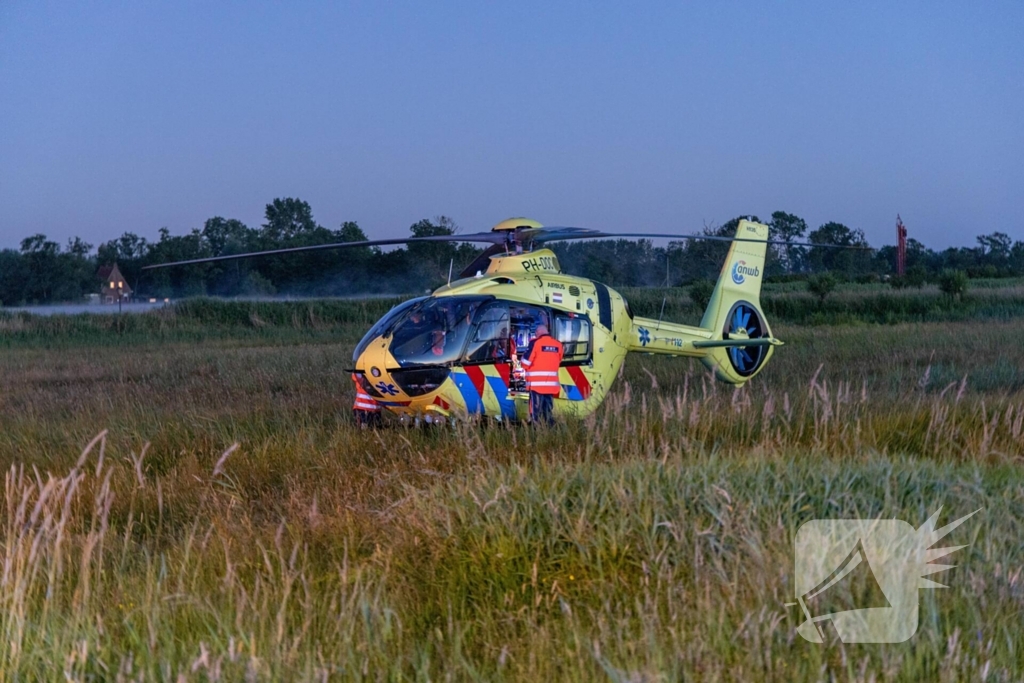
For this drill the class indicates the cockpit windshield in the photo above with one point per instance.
(384, 325)
(435, 330)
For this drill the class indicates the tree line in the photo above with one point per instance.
(42, 271)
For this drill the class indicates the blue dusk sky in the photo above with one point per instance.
(130, 116)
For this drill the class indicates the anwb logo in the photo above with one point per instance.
(740, 269)
(860, 577)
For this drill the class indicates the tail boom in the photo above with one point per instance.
(734, 338)
(671, 339)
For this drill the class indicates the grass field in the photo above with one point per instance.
(187, 497)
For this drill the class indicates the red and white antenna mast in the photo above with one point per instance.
(901, 246)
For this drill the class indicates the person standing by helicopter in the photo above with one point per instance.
(542, 360)
(365, 410)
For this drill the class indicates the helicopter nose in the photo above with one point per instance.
(374, 363)
(396, 386)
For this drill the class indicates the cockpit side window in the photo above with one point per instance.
(435, 331)
(490, 339)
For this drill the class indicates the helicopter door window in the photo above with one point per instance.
(574, 333)
(524, 321)
(490, 340)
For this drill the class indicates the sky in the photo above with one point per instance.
(666, 117)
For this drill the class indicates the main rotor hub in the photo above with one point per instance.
(514, 231)
(515, 223)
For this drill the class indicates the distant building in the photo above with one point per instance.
(113, 287)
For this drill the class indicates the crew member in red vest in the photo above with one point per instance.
(542, 360)
(365, 409)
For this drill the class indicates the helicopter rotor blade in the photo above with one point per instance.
(552, 234)
(507, 238)
(489, 237)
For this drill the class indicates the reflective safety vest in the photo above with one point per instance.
(363, 400)
(542, 366)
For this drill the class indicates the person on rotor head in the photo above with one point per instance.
(542, 360)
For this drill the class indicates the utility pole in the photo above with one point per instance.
(901, 247)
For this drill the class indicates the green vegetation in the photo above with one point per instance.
(821, 285)
(916, 277)
(792, 302)
(700, 293)
(323, 320)
(44, 272)
(652, 541)
(953, 283)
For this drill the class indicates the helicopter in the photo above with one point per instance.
(457, 352)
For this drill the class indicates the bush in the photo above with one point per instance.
(785, 278)
(916, 276)
(700, 293)
(953, 283)
(821, 285)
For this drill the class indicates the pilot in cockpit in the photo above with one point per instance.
(500, 345)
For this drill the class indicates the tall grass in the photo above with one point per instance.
(525, 556)
(232, 523)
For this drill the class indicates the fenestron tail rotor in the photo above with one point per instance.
(744, 322)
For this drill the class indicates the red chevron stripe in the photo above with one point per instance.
(580, 380)
(505, 371)
(476, 375)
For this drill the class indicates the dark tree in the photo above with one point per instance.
(289, 223)
(228, 236)
(789, 228)
(223, 237)
(432, 260)
(848, 262)
(13, 275)
(704, 258)
(130, 252)
(286, 219)
(42, 272)
(181, 280)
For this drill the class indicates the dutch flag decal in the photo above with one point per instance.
(556, 297)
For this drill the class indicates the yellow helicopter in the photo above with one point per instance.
(458, 352)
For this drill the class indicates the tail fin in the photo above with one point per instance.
(741, 274)
(734, 311)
